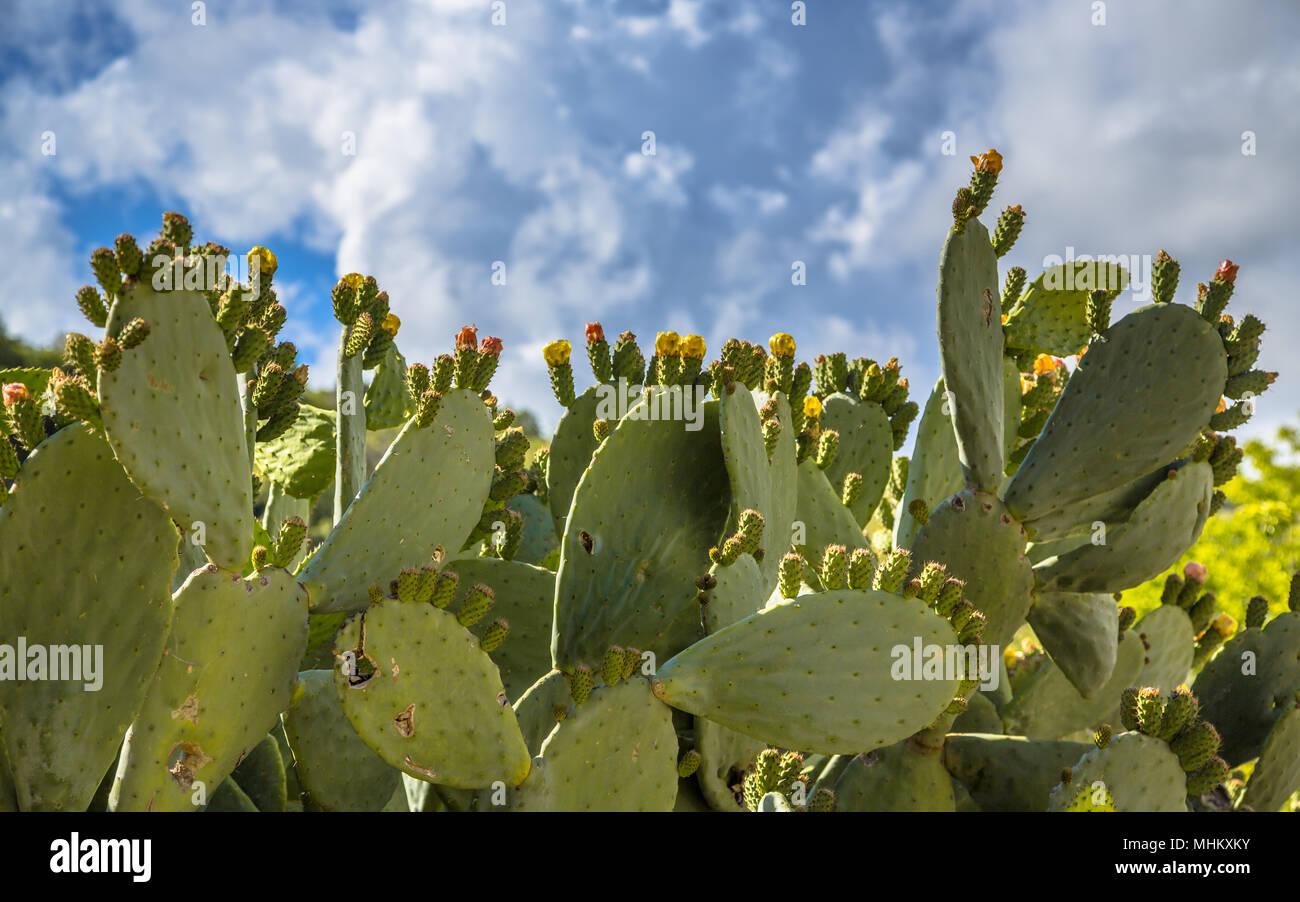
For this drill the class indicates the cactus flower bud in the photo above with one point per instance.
(494, 635)
(790, 575)
(861, 565)
(557, 353)
(580, 683)
(812, 408)
(688, 764)
(1195, 572)
(692, 347)
(15, 392)
(668, 344)
(467, 339)
(1128, 708)
(1103, 735)
(1227, 272)
(475, 605)
(782, 345)
(989, 161)
(262, 261)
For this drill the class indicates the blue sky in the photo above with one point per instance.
(774, 142)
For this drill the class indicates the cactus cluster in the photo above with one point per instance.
(718, 586)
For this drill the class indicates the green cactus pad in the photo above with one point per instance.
(825, 519)
(645, 515)
(301, 461)
(1081, 633)
(617, 751)
(774, 802)
(427, 491)
(388, 400)
(970, 349)
(979, 542)
(1135, 402)
(1050, 317)
(538, 538)
(905, 776)
(535, 709)
(866, 447)
(739, 593)
(229, 668)
(1277, 772)
(434, 706)
(1138, 772)
(1164, 525)
(1114, 506)
(1010, 773)
(338, 770)
(1245, 706)
(261, 776)
(757, 482)
(230, 797)
(173, 416)
(935, 469)
(1011, 394)
(570, 453)
(35, 378)
(84, 561)
(525, 598)
(1049, 706)
(814, 673)
(980, 716)
(1167, 634)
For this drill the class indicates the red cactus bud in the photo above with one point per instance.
(1195, 572)
(595, 333)
(467, 339)
(15, 392)
(1227, 272)
(491, 346)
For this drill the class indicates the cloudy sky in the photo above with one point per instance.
(422, 142)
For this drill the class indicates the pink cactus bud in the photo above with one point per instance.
(491, 346)
(1195, 572)
(595, 333)
(15, 392)
(1227, 272)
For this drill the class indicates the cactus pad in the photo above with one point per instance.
(1277, 772)
(301, 460)
(905, 776)
(100, 575)
(433, 706)
(1049, 707)
(173, 399)
(866, 447)
(980, 543)
(570, 454)
(1081, 633)
(649, 508)
(814, 673)
(338, 770)
(525, 598)
(935, 469)
(229, 668)
(1050, 318)
(427, 491)
(1250, 684)
(1164, 525)
(970, 349)
(1138, 773)
(1010, 773)
(617, 751)
(1136, 400)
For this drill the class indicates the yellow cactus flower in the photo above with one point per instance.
(1004, 319)
(693, 347)
(266, 260)
(353, 280)
(782, 344)
(668, 344)
(1016, 209)
(1010, 656)
(391, 324)
(1223, 405)
(557, 353)
(989, 161)
(1224, 625)
(812, 408)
